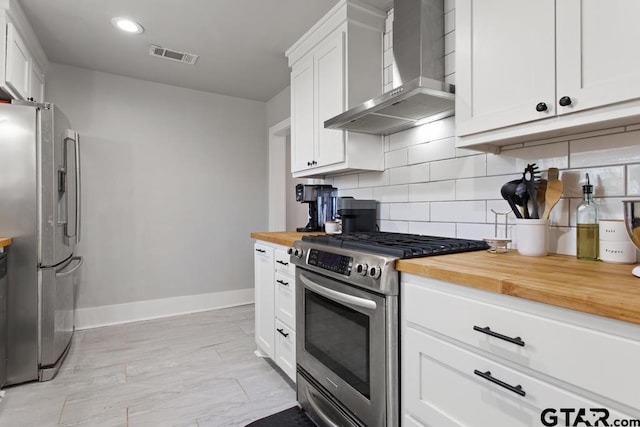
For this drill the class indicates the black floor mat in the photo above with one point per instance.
(292, 417)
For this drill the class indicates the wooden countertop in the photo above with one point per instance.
(594, 287)
(285, 238)
(5, 241)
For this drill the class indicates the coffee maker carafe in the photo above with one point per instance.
(322, 204)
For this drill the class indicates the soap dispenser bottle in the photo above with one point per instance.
(587, 239)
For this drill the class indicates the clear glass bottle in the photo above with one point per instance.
(587, 239)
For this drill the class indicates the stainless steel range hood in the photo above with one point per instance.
(420, 95)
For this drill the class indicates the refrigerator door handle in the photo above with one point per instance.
(73, 226)
(69, 272)
(78, 192)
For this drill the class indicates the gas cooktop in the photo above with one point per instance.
(399, 244)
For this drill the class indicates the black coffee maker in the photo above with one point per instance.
(322, 204)
(357, 215)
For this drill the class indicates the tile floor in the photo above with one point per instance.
(196, 370)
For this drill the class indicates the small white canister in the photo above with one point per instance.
(615, 244)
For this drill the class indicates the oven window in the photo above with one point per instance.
(338, 337)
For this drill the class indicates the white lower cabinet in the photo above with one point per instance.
(275, 305)
(286, 349)
(535, 365)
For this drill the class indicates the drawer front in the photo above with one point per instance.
(590, 359)
(286, 299)
(283, 264)
(286, 349)
(445, 385)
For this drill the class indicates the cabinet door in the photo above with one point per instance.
(302, 115)
(17, 67)
(597, 60)
(264, 298)
(36, 84)
(285, 289)
(505, 60)
(329, 66)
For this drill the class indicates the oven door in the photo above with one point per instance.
(341, 343)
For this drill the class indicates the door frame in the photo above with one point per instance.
(277, 174)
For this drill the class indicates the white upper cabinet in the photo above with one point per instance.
(18, 61)
(336, 65)
(533, 70)
(22, 60)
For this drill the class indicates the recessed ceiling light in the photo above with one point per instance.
(127, 25)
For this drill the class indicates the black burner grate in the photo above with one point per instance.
(399, 244)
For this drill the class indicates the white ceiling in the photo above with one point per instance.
(241, 43)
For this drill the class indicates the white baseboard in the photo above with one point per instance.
(94, 317)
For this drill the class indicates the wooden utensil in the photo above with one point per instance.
(552, 196)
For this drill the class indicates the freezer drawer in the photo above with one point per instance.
(57, 314)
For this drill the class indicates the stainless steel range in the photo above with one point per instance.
(347, 296)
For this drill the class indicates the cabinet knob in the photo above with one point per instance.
(564, 101)
(308, 163)
(313, 162)
(541, 107)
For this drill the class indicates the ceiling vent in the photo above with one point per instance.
(174, 55)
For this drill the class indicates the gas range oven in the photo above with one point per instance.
(347, 322)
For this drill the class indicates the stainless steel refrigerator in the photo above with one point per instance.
(40, 210)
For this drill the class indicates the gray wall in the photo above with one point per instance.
(279, 107)
(173, 184)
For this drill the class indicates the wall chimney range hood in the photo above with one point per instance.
(421, 95)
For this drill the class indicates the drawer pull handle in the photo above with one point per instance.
(282, 282)
(282, 262)
(487, 376)
(261, 250)
(282, 332)
(488, 331)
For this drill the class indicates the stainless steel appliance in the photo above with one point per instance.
(347, 293)
(322, 204)
(357, 215)
(3, 319)
(40, 210)
(420, 94)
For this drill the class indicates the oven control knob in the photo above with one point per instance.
(295, 252)
(375, 272)
(362, 269)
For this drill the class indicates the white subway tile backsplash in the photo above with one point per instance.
(358, 193)
(383, 210)
(442, 129)
(450, 42)
(443, 229)
(620, 148)
(386, 41)
(550, 155)
(474, 231)
(391, 194)
(463, 167)
(394, 226)
(432, 191)
(387, 57)
(449, 63)
(449, 21)
(409, 137)
(482, 188)
(606, 181)
(346, 181)
(449, 5)
(410, 174)
(409, 211)
(633, 180)
(393, 159)
(562, 240)
(464, 211)
(434, 150)
(373, 179)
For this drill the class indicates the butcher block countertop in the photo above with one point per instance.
(285, 238)
(594, 287)
(5, 241)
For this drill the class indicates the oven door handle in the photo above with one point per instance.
(339, 296)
